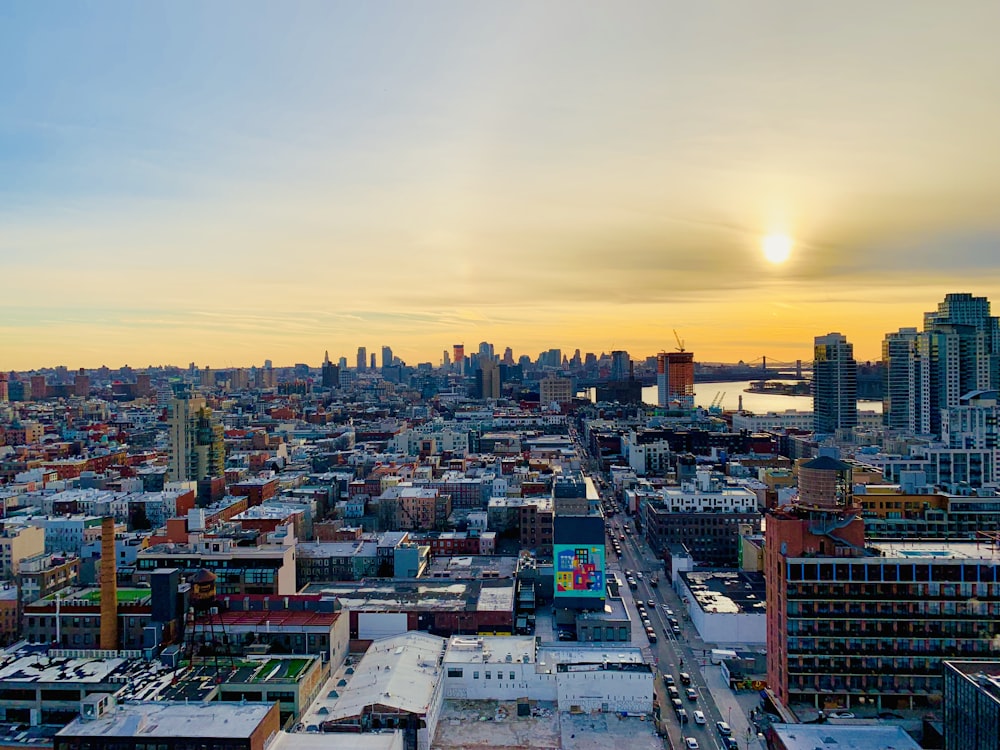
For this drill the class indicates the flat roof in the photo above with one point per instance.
(264, 620)
(554, 655)
(41, 668)
(382, 740)
(985, 673)
(174, 719)
(843, 736)
(471, 566)
(727, 591)
(464, 649)
(944, 550)
(426, 594)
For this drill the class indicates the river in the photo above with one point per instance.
(759, 403)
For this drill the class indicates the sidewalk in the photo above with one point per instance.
(734, 707)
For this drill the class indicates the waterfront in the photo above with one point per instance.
(758, 403)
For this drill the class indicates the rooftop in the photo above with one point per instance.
(985, 673)
(727, 591)
(428, 594)
(843, 737)
(402, 672)
(41, 668)
(174, 719)
(490, 650)
(962, 550)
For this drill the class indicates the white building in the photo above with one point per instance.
(709, 493)
(397, 678)
(646, 454)
(600, 678)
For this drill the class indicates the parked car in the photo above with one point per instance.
(724, 729)
(675, 629)
(682, 716)
(699, 717)
(692, 694)
(668, 679)
(676, 703)
(840, 715)
(673, 692)
(730, 744)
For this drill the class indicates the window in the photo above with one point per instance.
(489, 675)
(512, 677)
(454, 672)
(475, 675)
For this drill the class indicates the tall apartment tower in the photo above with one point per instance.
(835, 384)
(362, 360)
(330, 373)
(197, 448)
(905, 403)
(387, 357)
(675, 379)
(489, 378)
(620, 365)
(459, 357)
(957, 352)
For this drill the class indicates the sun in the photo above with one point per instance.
(777, 248)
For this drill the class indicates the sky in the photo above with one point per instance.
(229, 182)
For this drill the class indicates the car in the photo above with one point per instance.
(685, 678)
(673, 692)
(639, 574)
(651, 604)
(699, 717)
(889, 715)
(724, 729)
(651, 636)
(668, 679)
(691, 694)
(672, 620)
(675, 629)
(669, 612)
(730, 744)
(840, 715)
(691, 743)
(682, 716)
(676, 703)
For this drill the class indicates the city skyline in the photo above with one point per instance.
(239, 182)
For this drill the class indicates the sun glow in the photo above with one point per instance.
(777, 248)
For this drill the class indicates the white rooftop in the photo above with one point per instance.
(940, 550)
(174, 719)
(40, 668)
(401, 671)
(489, 649)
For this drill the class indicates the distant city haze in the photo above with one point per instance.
(231, 182)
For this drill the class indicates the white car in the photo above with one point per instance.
(699, 717)
(691, 743)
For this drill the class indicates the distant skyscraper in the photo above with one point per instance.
(489, 378)
(374, 364)
(387, 358)
(362, 358)
(330, 373)
(835, 384)
(342, 364)
(460, 358)
(486, 349)
(197, 448)
(675, 379)
(620, 365)
(445, 359)
(957, 352)
(508, 357)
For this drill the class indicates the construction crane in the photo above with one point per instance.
(680, 344)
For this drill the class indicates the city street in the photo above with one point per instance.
(676, 654)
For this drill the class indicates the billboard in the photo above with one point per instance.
(579, 570)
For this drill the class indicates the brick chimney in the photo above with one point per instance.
(109, 586)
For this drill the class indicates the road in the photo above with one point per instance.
(673, 654)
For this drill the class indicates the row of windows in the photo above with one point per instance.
(891, 572)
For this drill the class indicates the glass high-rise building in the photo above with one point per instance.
(835, 384)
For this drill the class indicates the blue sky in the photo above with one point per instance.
(229, 182)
